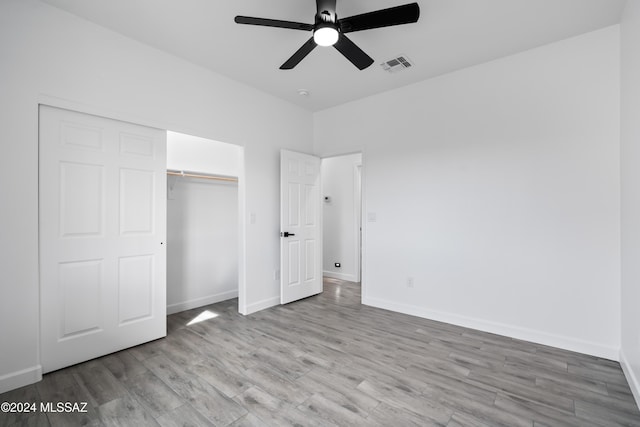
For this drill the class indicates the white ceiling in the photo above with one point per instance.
(451, 34)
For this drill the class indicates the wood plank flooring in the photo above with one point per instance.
(328, 360)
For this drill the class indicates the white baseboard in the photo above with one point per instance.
(531, 335)
(199, 302)
(632, 379)
(21, 378)
(261, 305)
(340, 276)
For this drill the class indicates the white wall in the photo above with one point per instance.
(195, 154)
(630, 158)
(496, 188)
(52, 57)
(339, 216)
(202, 242)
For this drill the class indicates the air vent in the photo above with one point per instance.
(396, 64)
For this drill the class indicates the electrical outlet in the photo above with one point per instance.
(409, 282)
(337, 265)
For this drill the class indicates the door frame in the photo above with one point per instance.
(357, 191)
(359, 217)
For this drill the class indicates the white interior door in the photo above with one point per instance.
(300, 226)
(102, 201)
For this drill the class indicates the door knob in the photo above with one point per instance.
(286, 234)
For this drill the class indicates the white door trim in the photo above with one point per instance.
(363, 224)
(357, 192)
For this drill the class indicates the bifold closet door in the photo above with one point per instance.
(102, 213)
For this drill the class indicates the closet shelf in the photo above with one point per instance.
(187, 174)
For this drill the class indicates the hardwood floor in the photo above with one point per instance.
(328, 360)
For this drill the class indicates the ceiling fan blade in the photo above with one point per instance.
(405, 14)
(299, 55)
(353, 53)
(273, 23)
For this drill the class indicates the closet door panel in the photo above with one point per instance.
(102, 214)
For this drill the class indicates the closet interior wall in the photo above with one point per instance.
(202, 222)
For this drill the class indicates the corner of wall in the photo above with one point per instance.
(201, 302)
(631, 378)
(630, 226)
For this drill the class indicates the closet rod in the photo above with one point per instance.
(201, 176)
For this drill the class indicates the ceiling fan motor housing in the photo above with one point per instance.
(326, 11)
(326, 29)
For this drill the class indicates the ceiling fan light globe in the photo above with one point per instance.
(325, 36)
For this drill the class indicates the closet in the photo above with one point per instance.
(202, 221)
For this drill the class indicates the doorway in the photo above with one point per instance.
(342, 217)
(202, 221)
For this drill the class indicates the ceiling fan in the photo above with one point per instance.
(328, 30)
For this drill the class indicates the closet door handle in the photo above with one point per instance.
(286, 234)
